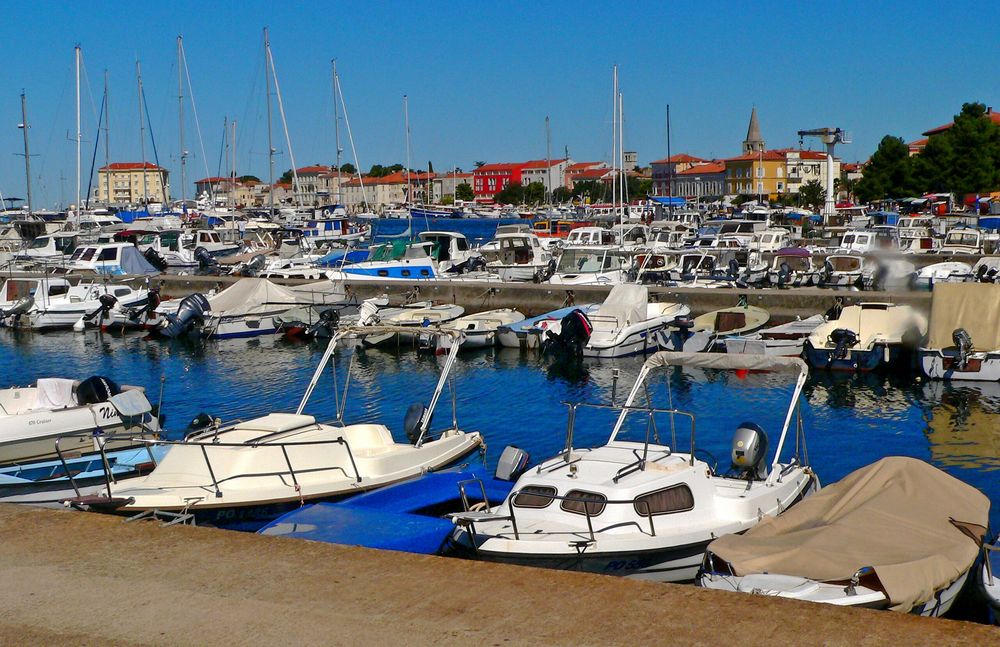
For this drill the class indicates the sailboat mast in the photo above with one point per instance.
(621, 160)
(296, 186)
(142, 134)
(180, 116)
(406, 124)
(614, 139)
(670, 171)
(232, 183)
(79, 137)
(336, 129)
(548, 162)
(270, 142)
(107, 125)
(27, 153)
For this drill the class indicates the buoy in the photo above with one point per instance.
(79, 325)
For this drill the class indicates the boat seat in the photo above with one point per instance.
(368, 440)
(726, 321)
(277, 423)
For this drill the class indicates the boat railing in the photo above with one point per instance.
(652, 433)
(471, 519)
(101, 442)
(988, 564)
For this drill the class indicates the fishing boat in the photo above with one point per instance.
(841, 270)
(597, 265)
(636, 506)
(709, 331)
(520, 257)
(627, 322)
(530, 332)
(792, 267)
(824, 549)
(963, 338)
(480, 329)
(32, 418)
(865, 337)
(785, 340)
(247, 473)
(18, 296)
(79, 306)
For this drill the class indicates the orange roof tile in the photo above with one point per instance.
(679, 158)
(702, 169)
(130, 166)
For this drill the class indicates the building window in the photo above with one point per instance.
(780, 172)
(760, 171)
(781, 186)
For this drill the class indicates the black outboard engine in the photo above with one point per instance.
(95, 389)
(843, 339)
(574, 333)
(733, 269)
(107, 301)
(205, 260)
(826, 273)
(544, 274)
(749, 449)
(833, 313)
(328, 321)
(411, 422)
(254, 265)
(155, 259)
(784, 274)
(963, 343)
(152, 303)
(192, 310)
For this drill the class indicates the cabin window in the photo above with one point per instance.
(676, 498)
(534, 496)
(582, 502)
(425, 273)
(406, 272)
(383, 272)
(107, 254)
(56, 290)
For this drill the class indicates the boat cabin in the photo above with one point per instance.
(40, 289)
(590, 236)
(557, 228)
(54, 246)
(518, 248)
(963, 241)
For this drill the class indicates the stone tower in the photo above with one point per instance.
(754, 142)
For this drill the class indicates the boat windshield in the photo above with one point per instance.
(39, 243)
(584, 261)
(962, 238)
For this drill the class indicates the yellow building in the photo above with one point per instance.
(132, 183)
(760, 173)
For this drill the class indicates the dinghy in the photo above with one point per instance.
(709, 331)
(963, 339)
(866, 337)
(627, 322)
(480, 329)
(410, 319)
(85, 412)
(249, 472)
(638, 506)
(899, 534)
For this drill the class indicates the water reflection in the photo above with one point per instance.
(961, 423)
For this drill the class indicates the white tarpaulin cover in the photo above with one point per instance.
(973, 306)
(727, 362)
(254, 296)
(905, 518)
(626, 303)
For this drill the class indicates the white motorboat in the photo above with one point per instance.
(32, 418)
(479, 329)
(85, 304)
(946, 272)
(865, 337)
(963, 338)
(627, 322)
(842, 270)
(636, 506)
(530, 332)
(115, 259)
(889, 274)
(596, 265)
(247, 473)
(963, 240)
(792, 267)
(520, 257)
(18, 296)
(899, 534)
(709, 331)
(407, 321)
(179, 249)
(785, 340)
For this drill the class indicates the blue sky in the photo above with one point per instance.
(481, 77)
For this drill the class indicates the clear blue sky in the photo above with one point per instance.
(481, 77)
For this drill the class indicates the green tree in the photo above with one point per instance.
(248, 178)
(286, 177)
(348, 168)
(595, 190)
(534, 193)
(812, 195)
(561, 194)
(464, 192)
(846, 185)
(447, 200)
(963, 159)
(889, 173)
(478, 163)
(513, 193)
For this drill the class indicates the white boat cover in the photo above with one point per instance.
(627, 304)
(54, 393)
(254, 296)
(726, 362)
(973, 306)
(914, 524)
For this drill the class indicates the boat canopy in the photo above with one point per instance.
(252, 296)
(134, 263)
(627, 304)
(972, 306)
(793, 251)
(729, 362)
(917, 527)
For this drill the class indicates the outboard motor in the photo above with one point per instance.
(254, 265)
(749, 449)
(784, 274)
(152, 303)
(367, 313)
(981, 274)
(205, 260)
(826, 273)
(107, 301)
(963, 343)
(191, 311)
(833, 314)
(22, 306)
(328, 321)
(155, 259)
(95, 389)
(411, 422)
(574, 333)
(843, 339)
(733, 269)
(991, 275)
(512, 464)
(544, 274)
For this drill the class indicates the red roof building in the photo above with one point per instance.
(131, 166)
(666, 169)
(490, 179)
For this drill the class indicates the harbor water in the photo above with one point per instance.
(517, 398)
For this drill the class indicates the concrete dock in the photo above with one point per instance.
(85, 579)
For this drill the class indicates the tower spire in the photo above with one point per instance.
(754, 142)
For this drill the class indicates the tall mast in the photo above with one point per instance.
(107, 125)
(296, 187)
(232, 183)
(548, 162)
(670, 167)
(336, 129)
(623, 193)
(180, 117)
(406, 123)
(614, 139)
(270, 143)
(79, 138)
(142, 134)
(27, 153)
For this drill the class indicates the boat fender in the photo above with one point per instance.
(411, 422)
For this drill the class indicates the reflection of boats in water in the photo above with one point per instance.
(961, 423)
(872, 395)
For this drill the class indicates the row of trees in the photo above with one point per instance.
(964, 159)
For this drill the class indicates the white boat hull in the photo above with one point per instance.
(940, 364)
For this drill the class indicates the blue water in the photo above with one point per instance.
(515, 398)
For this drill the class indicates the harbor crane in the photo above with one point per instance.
(831, 137)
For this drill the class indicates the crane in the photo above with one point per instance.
(831, 137)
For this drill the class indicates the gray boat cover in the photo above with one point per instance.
(726, 362)
(253, 296)
(919, 528)
(134, 263)
(973, 306)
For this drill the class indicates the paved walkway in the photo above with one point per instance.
(79, 579)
